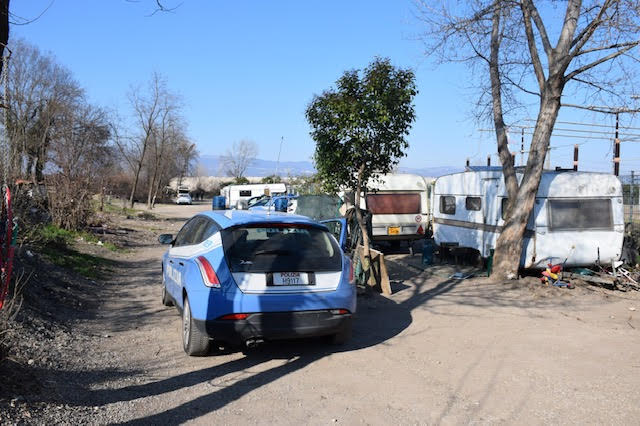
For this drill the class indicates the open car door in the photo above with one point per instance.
(338, 227)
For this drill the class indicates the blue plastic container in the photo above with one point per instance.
(281, 204)
(428, 252)
(219, 203)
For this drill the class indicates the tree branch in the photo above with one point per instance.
(531, 41)
(588, 31)
(584, 68)
(611, 46)
(533, 11)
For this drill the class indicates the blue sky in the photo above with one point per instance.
(248, 70)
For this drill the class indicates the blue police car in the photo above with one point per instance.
(242, 277)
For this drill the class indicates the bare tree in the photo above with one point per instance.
(147, 108)
(239, 157)
(169, 132)
(80, 153)
(39, 90)
(511, 43)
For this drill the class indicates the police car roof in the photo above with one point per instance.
(230, 218)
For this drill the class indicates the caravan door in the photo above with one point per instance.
(491, 212)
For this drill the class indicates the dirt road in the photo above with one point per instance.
(437, 351)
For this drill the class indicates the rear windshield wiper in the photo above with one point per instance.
(276, 251)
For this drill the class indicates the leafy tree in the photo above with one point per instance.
(271, 179)
(241, 181)
(512, 44)
(360, 129)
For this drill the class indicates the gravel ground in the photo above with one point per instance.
(437, 351)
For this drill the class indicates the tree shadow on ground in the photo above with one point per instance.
(379, 320)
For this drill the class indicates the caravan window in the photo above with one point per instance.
(245, 193)
(447, 204)
(473, 203)
(390, 203)
(580, 214)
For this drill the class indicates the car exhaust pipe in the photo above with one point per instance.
(253, 343)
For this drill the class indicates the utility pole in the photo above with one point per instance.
(279, 151)
(575, 158)
(631, 197)
(522, 148)
(616, 147)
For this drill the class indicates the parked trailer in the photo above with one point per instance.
(400, 205)
(577, 216)
(242, 193)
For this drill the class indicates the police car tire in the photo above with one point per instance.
(344, 335)
(166, 300)
(195, 342)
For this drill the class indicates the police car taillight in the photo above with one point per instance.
(209, 275)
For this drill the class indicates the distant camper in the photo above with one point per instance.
(238, 195)
(400, 206)
(578, 216)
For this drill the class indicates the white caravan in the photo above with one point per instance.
(399, 205)
(578, 216)
(242, 193)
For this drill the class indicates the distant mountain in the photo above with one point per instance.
(431, 171)
(261, 168)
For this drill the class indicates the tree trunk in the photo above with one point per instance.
(510, 242)
(508, 169)
(4, 28)
(152, 186)
(135, 185)
(363, 227)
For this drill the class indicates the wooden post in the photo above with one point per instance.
(575, 158)
(379, 277)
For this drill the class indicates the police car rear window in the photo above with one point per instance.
(280, 248)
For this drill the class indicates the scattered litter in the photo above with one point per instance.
(551, 276)
(29, 253)
(461, 276)
(100, 243)
(30, 362)
(632, 308)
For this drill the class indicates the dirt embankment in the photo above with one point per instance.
(440, 350)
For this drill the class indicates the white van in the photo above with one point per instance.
(235, 194)
(577, 216)
(400, 206)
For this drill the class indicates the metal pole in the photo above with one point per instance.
(631, 200)
(575, 158)
(467, 162)
(488, 161)
(616, 149)
(548, 158)
(279, 151)
(522, 148)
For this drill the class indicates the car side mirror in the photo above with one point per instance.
(165, 239)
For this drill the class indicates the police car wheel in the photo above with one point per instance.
(195, 342)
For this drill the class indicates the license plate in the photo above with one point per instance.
(290, 278)
(393, 230)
